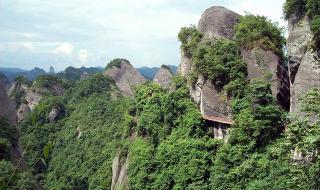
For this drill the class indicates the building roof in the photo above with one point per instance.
(218, 119)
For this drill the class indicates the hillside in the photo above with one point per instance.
(241, 112)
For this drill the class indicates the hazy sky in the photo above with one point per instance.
(92, 32)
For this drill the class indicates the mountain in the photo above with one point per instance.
(12, 73)
(238, 114)
(149, 73)
(72, 73)
(164, 77)
(125, 75)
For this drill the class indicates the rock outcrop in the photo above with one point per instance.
(304, 62)
(55, 113)
(215, 23)
(218, 22)
(120, 173)
(126, 77)
(163, 77)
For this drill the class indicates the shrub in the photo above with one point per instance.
(189, 38)
(115, 63)
(258, 31)
(219, 61)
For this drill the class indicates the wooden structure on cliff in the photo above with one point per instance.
(218, 127)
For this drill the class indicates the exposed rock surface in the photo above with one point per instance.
(209, 100)
(218, 22)
(126, 77)
(7, 107)
(54, 114)
(185, 64)
(120, 173)
(163, 77)
(23, 112)
(304, 63)
(33, 97)
(269, 66)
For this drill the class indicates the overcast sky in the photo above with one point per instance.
(79, 33)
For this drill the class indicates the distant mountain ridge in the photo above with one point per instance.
(70, 73)
(150, 72)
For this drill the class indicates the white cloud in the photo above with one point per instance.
(83, 55)
(64, 48)
(28, 45)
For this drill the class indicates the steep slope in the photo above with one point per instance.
(304, 62)
(7, 108)
(125, 75)
(163, 76)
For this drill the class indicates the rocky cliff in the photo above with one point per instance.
(272, 68)
(125, 76)
(217, 23)
(163, 77)
(304, 63)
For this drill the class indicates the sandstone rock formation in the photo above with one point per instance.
(163, 77)
(218, 22)
(215, 23)
(126, 77)
(304, 62)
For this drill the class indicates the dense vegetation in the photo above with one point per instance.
(220, 61)
(115, 63)
(311, 8)
(189, 38)
(258, 31)
(161, 132)
(11, 176)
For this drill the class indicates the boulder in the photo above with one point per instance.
(125, 77)
(304, 62)
(54, 114)
(218, 22)
(163, 77)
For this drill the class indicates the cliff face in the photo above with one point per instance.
(126, 77)
(163, 77)
(215, 23)
(304, 63)
(269, 66)
(218, 22)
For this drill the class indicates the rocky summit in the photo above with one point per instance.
(125, 76)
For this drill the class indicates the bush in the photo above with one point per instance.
(115, 63)
(219, 61)
(189, 38)
(258, 31)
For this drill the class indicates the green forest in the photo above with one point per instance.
(161, 133)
